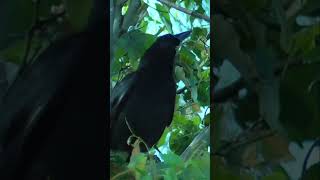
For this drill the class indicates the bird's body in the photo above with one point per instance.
(144, 100)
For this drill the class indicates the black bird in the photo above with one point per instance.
(53, 118)
(145, 99)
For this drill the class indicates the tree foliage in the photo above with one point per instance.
(265, 61)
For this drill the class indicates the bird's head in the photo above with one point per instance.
(170, 41)
(163, 50)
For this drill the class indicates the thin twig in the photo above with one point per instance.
(138, 137)
(121, 174)
(30, 36)
(191, 13)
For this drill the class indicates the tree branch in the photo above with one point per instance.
(131, 16)
(199, 142)
(228, 147)
(191, 13)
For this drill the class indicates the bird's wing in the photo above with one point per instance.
(120, 94)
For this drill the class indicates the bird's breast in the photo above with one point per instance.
(152, 99)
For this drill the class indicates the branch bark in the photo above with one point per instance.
(199, 142)
(131, 16)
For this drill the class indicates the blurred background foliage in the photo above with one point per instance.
(135, 24)
(266, 89)
(24, 35)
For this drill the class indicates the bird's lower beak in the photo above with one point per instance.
(183, 35)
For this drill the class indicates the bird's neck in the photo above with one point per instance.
(162, 61)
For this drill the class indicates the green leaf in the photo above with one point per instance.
(196, 120)
(187, 3)
(304, 41)
(174, 161)
(207, 119)
(204, 93)
(119, 52)
(186, 56)
(179, 118)
(198, 32)
(135, 43)
(164, 15)
(198, 168)
(198, 2)
(170, 174)
(144, 25)
(138, 162)
(185, 128)
(146, 177)
(124, 9)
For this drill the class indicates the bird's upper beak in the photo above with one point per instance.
(183, 35)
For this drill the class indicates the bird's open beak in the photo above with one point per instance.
(182, 36)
